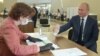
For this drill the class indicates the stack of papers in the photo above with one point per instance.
(44, 39)
(29, 43)
(33, 34)
(69, 52)
(42, 43)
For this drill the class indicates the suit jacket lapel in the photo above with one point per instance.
(78, 24)
(86, 25)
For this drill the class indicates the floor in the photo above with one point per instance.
(65, 34)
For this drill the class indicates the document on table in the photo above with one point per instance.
(42, 44)
(36, 34)
(42, 37)
(69, 52)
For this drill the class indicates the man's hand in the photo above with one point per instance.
(56, 29)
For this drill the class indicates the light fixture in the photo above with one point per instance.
(1, 1)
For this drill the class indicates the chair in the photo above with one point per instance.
(70, 33)
(44, 22)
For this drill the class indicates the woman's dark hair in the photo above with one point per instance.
(20, 9)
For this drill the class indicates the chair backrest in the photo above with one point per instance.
(70, 33)
(93, 16)
(43, 21)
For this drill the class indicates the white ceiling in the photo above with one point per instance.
(34, 1)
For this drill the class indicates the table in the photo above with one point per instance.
(64, 43)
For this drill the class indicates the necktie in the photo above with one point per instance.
(81, 32)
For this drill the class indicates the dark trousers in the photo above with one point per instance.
(93, 47)
(34, 19)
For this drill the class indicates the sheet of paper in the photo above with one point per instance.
(68, 52)
(36, 34)
(38, 43)
(29, 43)
(42, 37)
(41, 43)
(55, 46)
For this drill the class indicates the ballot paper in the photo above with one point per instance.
(42, 44)
(29, 43)
(44, 39)
(68, 52)
(36, 34)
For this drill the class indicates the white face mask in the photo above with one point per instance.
(24, 21)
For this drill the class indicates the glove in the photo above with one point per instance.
(52, 48)
(32, 39)
(46, 47)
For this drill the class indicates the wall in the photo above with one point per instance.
(34, 1)
(1, 7)
(94, 5)
(9, 3)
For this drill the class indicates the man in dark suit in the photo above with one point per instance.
(34, 18)
(85, 28)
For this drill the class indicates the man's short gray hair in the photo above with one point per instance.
(87, 5)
